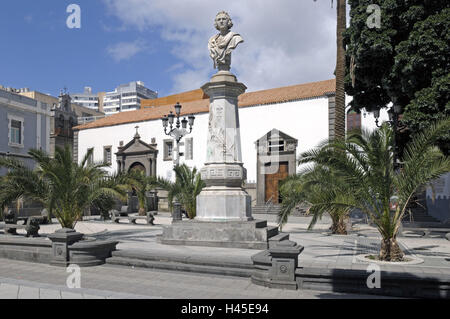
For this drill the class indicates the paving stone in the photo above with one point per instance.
(8, 291)
(28, 293)
(49, 294)
(71, 295)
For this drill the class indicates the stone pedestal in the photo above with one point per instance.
(253, 234)
(223, 198)
(224, 217)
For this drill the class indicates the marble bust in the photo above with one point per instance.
(221, 45)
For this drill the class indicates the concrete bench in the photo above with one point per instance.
(43, 218)
(31, 226)
(426, 232)
(116, 217)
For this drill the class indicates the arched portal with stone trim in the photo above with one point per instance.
(137, 154)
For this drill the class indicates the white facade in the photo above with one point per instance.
(305, 120)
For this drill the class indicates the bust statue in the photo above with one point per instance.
(221, 45)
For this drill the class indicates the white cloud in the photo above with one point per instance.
(286, 42)
(125, 50)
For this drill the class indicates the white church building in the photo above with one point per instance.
(289, 119)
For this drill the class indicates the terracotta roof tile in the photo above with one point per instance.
(277, 95)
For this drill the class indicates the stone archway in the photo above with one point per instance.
(138, 166)
(138, 154)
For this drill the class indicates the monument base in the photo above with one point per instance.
(254, 234)
(218, 203)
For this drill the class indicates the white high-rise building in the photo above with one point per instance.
(86, 99)
(127, 97)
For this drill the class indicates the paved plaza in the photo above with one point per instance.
(25, 280)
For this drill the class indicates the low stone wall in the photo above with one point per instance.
(275, 270)
(37, 250)
(62, 248)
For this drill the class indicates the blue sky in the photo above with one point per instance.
(162, 43)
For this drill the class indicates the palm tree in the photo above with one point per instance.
(340, 70)
(64, 187)
(140, 183)
(365, 162)
(341, 13)
(188, 184)
(314, 186)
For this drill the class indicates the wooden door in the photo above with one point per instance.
(271, 183)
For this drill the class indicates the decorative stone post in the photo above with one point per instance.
(176, 215)
(61, 240)
(284, 262)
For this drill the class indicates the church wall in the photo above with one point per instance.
(305, 120)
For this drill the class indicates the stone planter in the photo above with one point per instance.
(70, 247)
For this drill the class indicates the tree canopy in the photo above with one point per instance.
(405, 61)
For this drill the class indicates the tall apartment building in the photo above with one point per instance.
(93, 101)
(127, 97)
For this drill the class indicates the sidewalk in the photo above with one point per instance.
(22, 280)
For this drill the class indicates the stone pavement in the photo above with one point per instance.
(322, 250)
(22, 280)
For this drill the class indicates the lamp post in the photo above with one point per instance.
(177, 129)
(394, 113)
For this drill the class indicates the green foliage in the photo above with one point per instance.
(64, 187)
(188, 184)
(367, 181)
(406, 61)
(140, 183)
(315, 186)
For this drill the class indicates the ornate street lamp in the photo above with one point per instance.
(177, 131)
(394, 113)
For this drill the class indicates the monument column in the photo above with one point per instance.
(223, 198)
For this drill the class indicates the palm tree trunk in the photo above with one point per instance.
(141, 211)
(338, 227)
(339, 126)
(390, 250)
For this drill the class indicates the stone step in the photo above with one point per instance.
(272, 231)
(261, 223)
(178, 266)
(416, 224)
(179, 258)
(277, 238)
